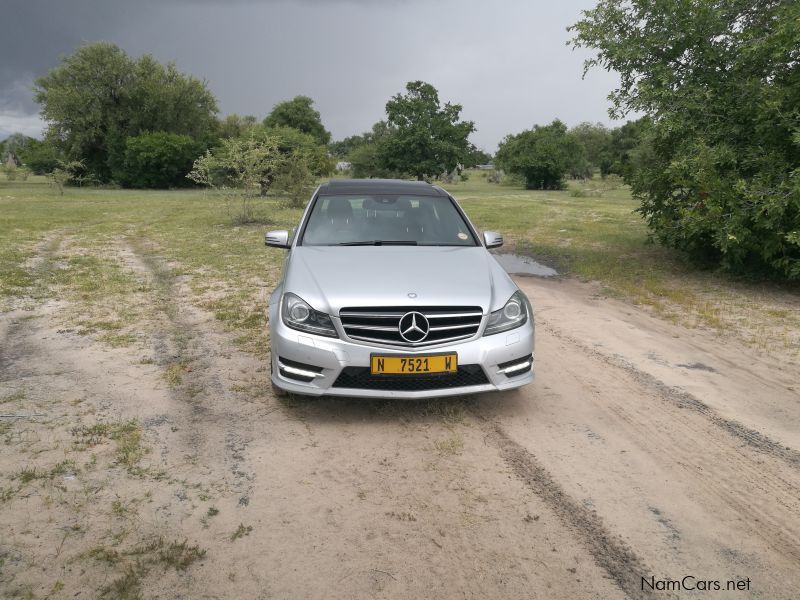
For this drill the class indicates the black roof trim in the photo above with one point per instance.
(344, 187)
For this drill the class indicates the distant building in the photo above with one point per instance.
(486, 167)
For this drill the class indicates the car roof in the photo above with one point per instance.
(344, 187)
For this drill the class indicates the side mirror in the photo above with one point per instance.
(277, 239)
(492, 239)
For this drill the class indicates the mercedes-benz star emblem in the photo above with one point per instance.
(414, 327)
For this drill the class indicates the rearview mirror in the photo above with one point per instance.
(277, 239)
(492, 239)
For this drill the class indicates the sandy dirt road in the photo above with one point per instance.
(643, 450)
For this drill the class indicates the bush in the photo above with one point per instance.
(696, 197)
(717, 167)
(64, 173)
(157, 160)
(295, 179)
(40, 157)
(10, 168)
(240, 170)
(542, 155)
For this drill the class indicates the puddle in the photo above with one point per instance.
(514, 264)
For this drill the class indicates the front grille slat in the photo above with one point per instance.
(381, 324)
(373, 327)
(449, 327)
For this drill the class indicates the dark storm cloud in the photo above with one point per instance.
(506, 63)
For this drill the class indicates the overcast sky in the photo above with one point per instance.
(507, 62)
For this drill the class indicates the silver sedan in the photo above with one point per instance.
(388, 291)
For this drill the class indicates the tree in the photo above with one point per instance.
(594, 139)
(718, 174)
(295, 179)
(10, 168)
(239, 169)
(343, 148)
(424, 138)
(292, 141)
(13, 146)
(364, 156)
(65, 172)
(99, 96)
(475, 156)
(235, 125)
(41, 157)
(299, 113)
(625, 147)
(542, 155)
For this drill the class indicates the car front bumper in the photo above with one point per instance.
(293, 352)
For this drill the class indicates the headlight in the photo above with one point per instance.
(297, 314)
(514, 314)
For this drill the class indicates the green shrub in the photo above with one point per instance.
(157, 160)
(40, 157)
(541, 156)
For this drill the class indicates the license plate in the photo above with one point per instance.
(413, 365)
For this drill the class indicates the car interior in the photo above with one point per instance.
(343, 219)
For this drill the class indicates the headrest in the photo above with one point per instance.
(340, 208)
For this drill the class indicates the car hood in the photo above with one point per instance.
(331, 277)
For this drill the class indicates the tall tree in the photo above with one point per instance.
(99, 96)
(718, 175)
(425, 138)
(299, 113)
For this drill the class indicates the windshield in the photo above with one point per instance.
(386, 220)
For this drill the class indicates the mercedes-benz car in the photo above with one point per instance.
(388, 291)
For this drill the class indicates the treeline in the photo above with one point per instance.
(714, 163)
(546, 154)
(134, 122)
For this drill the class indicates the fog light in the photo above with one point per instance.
(517, 366)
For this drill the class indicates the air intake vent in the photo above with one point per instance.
(440, 324)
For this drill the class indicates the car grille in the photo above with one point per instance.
(361, 379)
(381, 325)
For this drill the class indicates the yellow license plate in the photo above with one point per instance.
(413, 365)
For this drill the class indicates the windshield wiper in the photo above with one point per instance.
(381, 243)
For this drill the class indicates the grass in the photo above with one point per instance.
(173, 373)
(29, 474)
(589, 231)
(127, 436)
(241, 532)
(451, 445)
(12, 397)
(138, 561)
